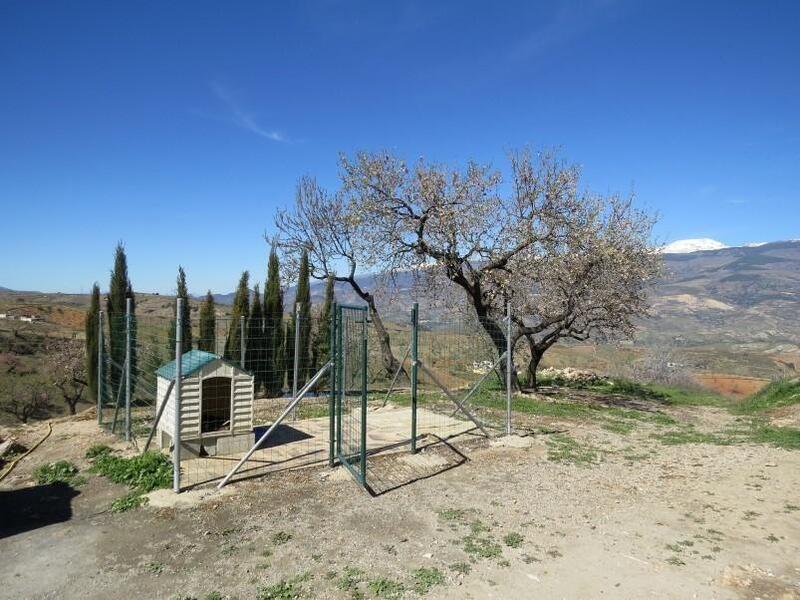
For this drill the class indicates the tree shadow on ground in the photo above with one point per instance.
(26, 509)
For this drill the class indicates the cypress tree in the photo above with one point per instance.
(321, 349)
(302, 312)
(241, 308)
(119, 290)
(208, 325)
(273, 328)
(92, 339)
(254, 359)
(186, 323)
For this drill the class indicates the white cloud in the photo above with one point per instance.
(241, 117)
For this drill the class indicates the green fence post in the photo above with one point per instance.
(414, 360)
(339, 378)
(332, 383)
(364, 399)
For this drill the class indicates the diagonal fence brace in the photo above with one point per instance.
(396, 375)
(452, 397)
(480, 381)
(286, 411)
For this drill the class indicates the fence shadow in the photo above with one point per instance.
(30, 508)
(391, 472)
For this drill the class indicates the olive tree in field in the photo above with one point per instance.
(592, 284)
(331, 229)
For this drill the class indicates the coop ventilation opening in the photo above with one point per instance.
(216, 404)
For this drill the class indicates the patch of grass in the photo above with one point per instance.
(350, 578)
(427, 578)
(791, 508)
(386, 588)
(452, 514)
(565, 449)
(281, 537)
(285, 589)
(689, 435)
(462, 568)
(482, 547)
(513, 539)
(477, 527)
(154, 567)
(128, 502)
(676, 396)
(97, 450)
(61, 471)
(784, 392)
(676, 560)
(143, 473)
(780, 437)
(620, 427)
(772, 538)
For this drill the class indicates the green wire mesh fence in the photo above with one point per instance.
(240, 377)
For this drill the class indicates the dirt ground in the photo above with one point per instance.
(502, 518)
(735, 386)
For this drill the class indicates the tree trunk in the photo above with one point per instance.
(390, 363)
(533, 365)
(498, 337)
(388, 360)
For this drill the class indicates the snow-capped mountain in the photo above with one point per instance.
(692, 245)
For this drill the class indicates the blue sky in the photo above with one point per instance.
(179, 127)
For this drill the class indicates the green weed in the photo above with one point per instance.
(565, 449)
(128, 502)
(386, 588)
(462, 568)
(61, 471)
(426, 578)
(513, 540)
(281, 537)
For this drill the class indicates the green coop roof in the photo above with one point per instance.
(190, 362)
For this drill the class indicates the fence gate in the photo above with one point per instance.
(351, 390)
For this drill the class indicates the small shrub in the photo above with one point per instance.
(61, 471)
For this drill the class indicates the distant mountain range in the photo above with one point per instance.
(711, 293)
(745, 296)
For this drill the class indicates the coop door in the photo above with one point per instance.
(216, 404)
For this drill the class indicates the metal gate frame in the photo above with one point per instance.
(359, 469)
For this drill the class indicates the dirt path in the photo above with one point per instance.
(641, 519)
